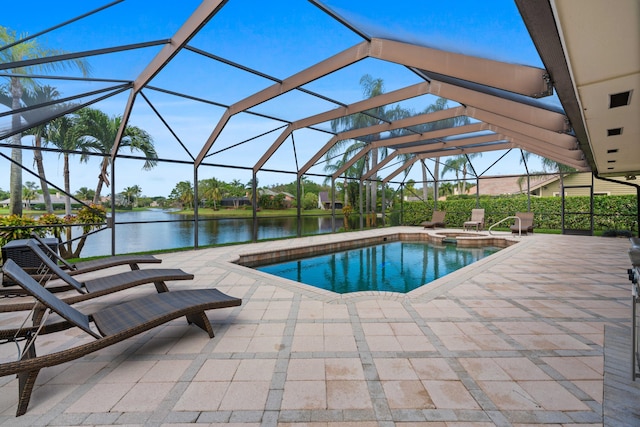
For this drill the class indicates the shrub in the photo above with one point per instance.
(9, 234)
(94, 216)
(310, 201)
(609, 212)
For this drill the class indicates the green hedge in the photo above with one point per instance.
(610, 212)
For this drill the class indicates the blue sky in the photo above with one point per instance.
(278, 38)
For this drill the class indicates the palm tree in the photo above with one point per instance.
(371, 88)
(237, 183)
(439, 105)
(61, 134)
(355, 171)
(22, 51)
(84, 194)
(235, 189)
(548, 165)
(98, 132)
(137, 192)
(129, 194)
(458, 164)
(446, 189)
(29, 192)
(454, 164)
(210, 190)
(36, 96)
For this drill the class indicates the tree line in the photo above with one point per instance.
(212, 191)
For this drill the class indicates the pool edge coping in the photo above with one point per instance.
(425, 292)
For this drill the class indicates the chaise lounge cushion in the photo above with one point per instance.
(525, 225)
(437, 220)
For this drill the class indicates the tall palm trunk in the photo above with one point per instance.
(37, 158)
(67, 204)
(436, 183)
(102, 179)
(374, 188)
(425, 182)
(346, 193)
(367, 201)
(67, 186)
(15, 178)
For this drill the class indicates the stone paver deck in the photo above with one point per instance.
(516, 339)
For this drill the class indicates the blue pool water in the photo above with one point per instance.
(394, 267)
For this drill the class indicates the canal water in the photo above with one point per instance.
(134, 234)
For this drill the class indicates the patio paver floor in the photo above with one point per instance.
(515, 339)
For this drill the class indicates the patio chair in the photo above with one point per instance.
(97, 264)
(114, 324)
(477, 220)
(437, 220)
(525, 225)
(99, 286)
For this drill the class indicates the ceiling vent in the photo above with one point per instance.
(614, 131)
(619, 99)
(615, 150)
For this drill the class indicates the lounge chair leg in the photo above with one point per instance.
(38, 314)
(202, 321)
(161, 287)
(26, 381)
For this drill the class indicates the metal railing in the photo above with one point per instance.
(509, 217)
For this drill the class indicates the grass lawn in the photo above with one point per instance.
(5, 211)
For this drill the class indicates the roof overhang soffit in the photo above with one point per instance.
(540, 21)
(441, 133)
(410, 121)
(524, 80)
(432, 146)
(491, 142)
(545, 124)
(494, 147)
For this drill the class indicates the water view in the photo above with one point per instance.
(141, 237)
(392, 267)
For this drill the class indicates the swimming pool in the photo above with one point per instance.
(397, 266)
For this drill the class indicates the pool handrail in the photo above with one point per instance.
(509, 217)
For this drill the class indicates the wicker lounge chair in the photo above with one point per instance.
(437, 220)
(97, 264)
(101, 285)
(114, 324)
(477, 220)
(525, 225)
